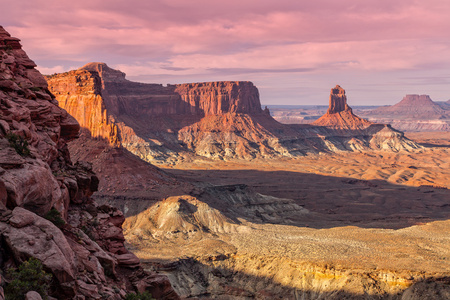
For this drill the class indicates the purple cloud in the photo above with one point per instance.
(330, 42)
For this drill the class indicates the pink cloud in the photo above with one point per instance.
(187, 38)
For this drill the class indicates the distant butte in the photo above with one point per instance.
(420, 106)
(339, 115)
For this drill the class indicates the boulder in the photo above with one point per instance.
(32, 295)
(37, 237)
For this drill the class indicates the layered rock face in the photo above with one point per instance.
(219, 120)
(46, 210)
(413, 113)
(338, 100)
(339, 114)
(146, 118)
(204, 98)
(215, 98)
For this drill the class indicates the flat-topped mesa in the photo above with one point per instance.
(103, 101)
(416, 99)
(338, 100)
(216, 98)
(126, 97)
(339, 115)
(79, 92)
(106, 73)
(414, 106)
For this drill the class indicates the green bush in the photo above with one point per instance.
(140, 296)
(55, 217)
(29, 277)
(18, 143)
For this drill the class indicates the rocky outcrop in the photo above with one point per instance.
(181, 215)
(145, 118)
(339, 114)
(219, 120)
(46, 210)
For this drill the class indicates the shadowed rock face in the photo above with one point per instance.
(86, 253)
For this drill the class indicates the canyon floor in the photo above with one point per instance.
(370, 225)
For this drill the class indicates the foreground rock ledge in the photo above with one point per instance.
(83, 246)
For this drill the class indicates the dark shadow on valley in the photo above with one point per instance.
(332, 201)
(431, 145)
(135, 185)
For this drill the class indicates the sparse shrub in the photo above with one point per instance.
(29, 277)
(54, 216)
(88, 231)
(140, 296)
(18, 143)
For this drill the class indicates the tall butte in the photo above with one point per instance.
(339, 115)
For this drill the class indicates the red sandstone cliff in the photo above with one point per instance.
(203, 98)
(221, 120)
(80, 93)
(85, 253)
(146, 118)
(339, 114)
(215, 98)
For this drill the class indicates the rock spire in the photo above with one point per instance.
(339, 115)
(338, 100)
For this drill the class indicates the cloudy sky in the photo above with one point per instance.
(294, 51)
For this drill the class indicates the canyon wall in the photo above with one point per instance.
(219, 120)
(215, 98)
(46, 210)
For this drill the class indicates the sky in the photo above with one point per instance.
(294, 51)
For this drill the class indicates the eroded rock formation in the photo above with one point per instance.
(339, 115)
(83, 248)
(219, 120)
(338, 100)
